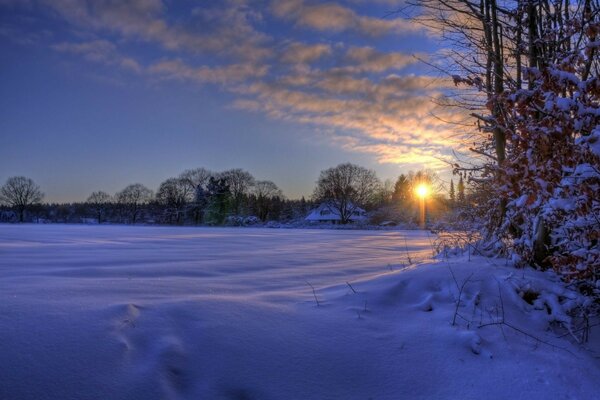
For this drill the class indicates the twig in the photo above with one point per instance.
(314, 293)
(460, 291)
(583, 328)
(504, 323)
(407, 253)
(348, 283)
(431, 244)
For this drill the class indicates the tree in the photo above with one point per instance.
(99, 201)
(402, 190)
(482, 36)
(461, 191)
(197, 181)
(266, 193)
(346, 187)
(195, 178)
(239, 183)
(132, 198)
(218, 198)
(174, 194)
(20, 192)
(384, 196)
(452, 193)
(531, 71)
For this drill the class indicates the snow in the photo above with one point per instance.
(593, 140)
(329, 213)
(116, 312)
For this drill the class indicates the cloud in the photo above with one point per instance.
(301, 53)
(396, 126)
(100, 51)
(333, 17)
(368, 59)
(226, 74)
(359, 94)
(230, 26)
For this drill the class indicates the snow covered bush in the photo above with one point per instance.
(551, 175)
(529, 74)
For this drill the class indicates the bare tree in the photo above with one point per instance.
(99, 202)
(479, 53)
(265, 192)
(345, 188)
(132, 198)
(197, 181)
(196, 178)
(239, 182)
(174, 194)
(385, 193)
(20, 192)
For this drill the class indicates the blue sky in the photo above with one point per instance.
(95, 95)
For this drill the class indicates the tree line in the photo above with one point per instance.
(196, 196)
(233, 197)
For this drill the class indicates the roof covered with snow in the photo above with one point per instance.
(326, 212)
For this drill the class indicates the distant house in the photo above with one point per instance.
(325, 213)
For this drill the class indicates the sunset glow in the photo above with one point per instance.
(422, 190)
(305, 199)
(256, 85)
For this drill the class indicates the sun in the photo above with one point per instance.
(422, 190)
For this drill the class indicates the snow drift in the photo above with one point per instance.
(183, 313)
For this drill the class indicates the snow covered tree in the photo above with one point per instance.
(531, 69)
(552, 174)
(20, 193)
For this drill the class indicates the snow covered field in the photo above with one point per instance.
(116, 312)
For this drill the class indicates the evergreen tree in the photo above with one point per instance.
(401, 189)
(461, 191)
(219, 199)
(452, 192)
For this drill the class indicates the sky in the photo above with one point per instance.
(98, 94)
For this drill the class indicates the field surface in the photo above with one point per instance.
(117, 312)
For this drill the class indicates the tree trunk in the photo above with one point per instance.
(541, 244)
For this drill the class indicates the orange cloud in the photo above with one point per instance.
(348, 90)
(337, 18)
(300, 53)
(177, 69)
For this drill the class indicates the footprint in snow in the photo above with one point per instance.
(473, 342)
(127, 320)
(173, 365)
(427, 303)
